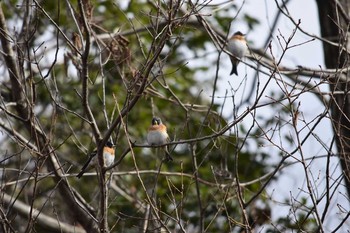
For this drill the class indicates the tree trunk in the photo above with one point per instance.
(334, 22)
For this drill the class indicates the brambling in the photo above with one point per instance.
(157, 135)
(108, 157)
(237, 45)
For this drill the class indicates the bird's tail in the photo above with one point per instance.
(87, 163)
(234, 69)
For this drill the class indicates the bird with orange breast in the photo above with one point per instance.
(108, 158)
(157, 135)
(237, 45)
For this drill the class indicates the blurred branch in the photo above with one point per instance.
(225, 185)
(103, 218)
(12, 68)
(32, 124)
(19, 137)
(57, 27)
(85, 77)
(45, 221)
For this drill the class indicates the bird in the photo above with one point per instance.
(108, 157)
(157, 135)
(237, 45)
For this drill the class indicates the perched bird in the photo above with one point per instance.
(157, 135)
(237, 45)
(108, 157)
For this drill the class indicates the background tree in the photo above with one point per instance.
(334, 19)
(79, 73)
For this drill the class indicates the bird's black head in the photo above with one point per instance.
(238, 33)
(109, 143)
(156, 121)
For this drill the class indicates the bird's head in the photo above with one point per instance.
(110, 144)
(156, 121)
(238, 33)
